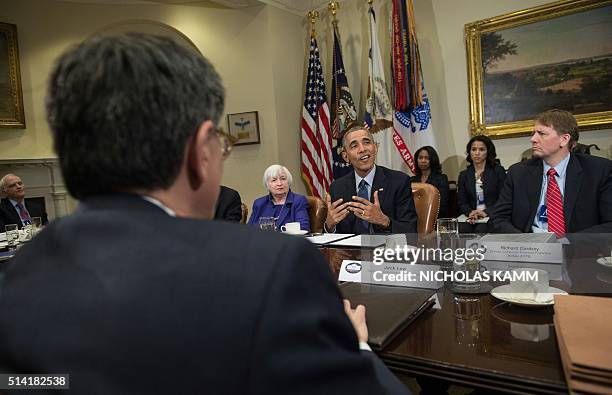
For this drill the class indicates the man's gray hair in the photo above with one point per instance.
(3, 186)
(275, 171)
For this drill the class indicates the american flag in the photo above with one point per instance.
(342, 107)
(316, 133)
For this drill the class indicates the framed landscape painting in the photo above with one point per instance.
(557, 55)
(11, 99)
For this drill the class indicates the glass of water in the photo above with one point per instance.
(12, 235)
(448, 234)
(447, 226)
(267, 223)
(36, 225)
(28, 232)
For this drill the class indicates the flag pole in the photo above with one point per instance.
(333, 8)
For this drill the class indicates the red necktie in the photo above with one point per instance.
(554, 206)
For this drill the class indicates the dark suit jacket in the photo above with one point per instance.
(228, 205)
(440, 181)
(395, 201)
(587, 201)
(130, 300)
(492, 182)
(9, 215)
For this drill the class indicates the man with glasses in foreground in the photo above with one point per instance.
(137, 292)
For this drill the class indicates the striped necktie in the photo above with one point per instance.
(23, 214)
(554, 206)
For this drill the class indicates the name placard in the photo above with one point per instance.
(521, 252)
(394, 274)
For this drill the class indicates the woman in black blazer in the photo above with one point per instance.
(429, 170)
(480, 184)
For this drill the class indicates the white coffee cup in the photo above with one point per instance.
(291, 227)
(530, 284)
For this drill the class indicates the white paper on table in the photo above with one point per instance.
(520, 238)
(393, 274)
(464, 218)
(371, 241)
(437, 305)
(328, 237)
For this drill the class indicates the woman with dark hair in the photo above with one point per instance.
(480, 184)
(429, 170)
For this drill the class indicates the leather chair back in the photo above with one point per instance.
(427, 203)
(245, 213)
(317, 210)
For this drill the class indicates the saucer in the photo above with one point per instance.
(503, 293)
(298, 233)
(515, 314)
(605, 261)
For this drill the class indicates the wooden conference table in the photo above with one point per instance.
(479, 341)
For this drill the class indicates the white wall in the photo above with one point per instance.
(258, 52)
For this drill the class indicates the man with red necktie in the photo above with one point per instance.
(13, 208)
(556, 191)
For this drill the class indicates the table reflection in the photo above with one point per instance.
(477, 340)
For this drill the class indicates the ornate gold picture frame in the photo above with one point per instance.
(557, 55)
(11, 98)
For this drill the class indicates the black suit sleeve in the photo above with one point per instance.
(404, 217)
(234, 210)
(229, 205)
(463, 199)
(500, 179)
(501, 215)
(316, 350)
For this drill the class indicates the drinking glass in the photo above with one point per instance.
(28, 232)
(448, 234)
(468, 319)
(12, 235)
(467, 280)
(267, 223)
(447, 226)
(36, 225)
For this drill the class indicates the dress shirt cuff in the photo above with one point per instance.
(363, 346)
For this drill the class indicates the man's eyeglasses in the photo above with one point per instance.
(227, 142)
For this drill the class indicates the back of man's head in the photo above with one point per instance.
(122, 109)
